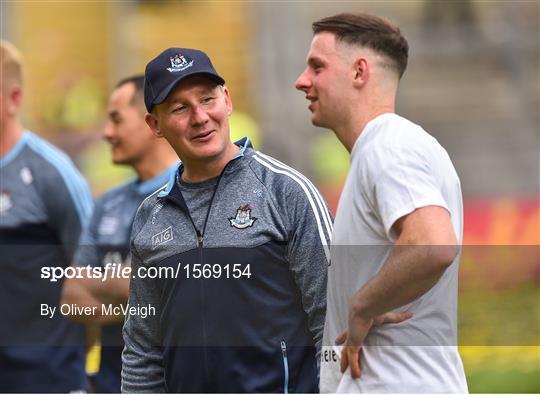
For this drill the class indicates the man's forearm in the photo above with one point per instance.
(409, 272)
(76, 292)
(112, 290)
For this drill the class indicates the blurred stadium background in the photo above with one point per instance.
(472, 81)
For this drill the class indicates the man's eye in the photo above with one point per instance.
(179, 109)
(206, 100)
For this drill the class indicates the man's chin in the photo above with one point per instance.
(316, 121)
(121, 161)
(207, 155)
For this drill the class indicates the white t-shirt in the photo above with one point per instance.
(396, 167)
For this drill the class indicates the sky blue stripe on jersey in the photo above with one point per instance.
(13, 152)
(243, 143)
(170, 182)
(77, 187)
(158, 181)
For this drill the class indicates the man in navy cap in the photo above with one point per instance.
(240, 243)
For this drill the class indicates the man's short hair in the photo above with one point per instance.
(368, 31)
(138, 96)
(10, 64)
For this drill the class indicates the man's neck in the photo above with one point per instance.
(10, 136)
(153, 165)
(357, 122)
(199, 171)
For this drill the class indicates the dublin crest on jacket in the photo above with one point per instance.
(243, 217)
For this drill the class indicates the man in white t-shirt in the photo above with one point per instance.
(399, 221)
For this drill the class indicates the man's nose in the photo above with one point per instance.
(302, 83)
(108, 131)
(199, 116)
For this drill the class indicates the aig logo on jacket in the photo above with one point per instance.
(162, 237)
(243, 217)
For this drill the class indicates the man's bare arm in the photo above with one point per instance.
(108, 290)
(79, 291)
(425, 247)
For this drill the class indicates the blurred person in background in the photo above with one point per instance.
(44, 203)
(105, 240)
(399, 221)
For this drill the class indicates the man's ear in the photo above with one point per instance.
(228, 100)
(15, 99)
(361, 71)
(153, 124)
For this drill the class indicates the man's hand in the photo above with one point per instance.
(359, 328)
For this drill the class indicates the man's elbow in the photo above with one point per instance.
(69, 294)
(74, 294)
(442, 256)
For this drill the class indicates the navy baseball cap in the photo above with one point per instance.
(169, 68)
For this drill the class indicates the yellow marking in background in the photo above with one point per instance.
(93, 359)
(523, 358)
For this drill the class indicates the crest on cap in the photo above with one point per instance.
(179, 63)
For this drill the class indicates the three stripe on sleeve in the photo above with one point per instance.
(322, 216)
